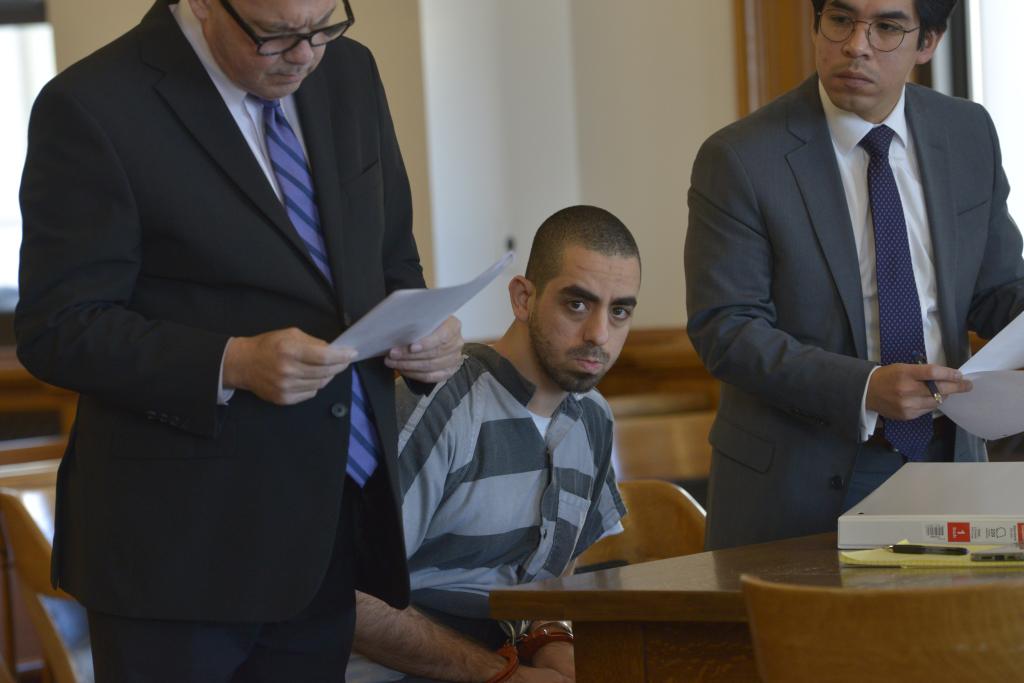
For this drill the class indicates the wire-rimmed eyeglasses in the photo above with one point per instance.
(885, 35)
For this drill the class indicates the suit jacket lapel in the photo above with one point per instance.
(817, 173)
(189, 92)
(931, 145)
(315, 115)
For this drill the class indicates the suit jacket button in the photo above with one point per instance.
(836, 482)
(339, 410)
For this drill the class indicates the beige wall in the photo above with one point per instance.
(651, 84)
(81, 26)
(390, 28)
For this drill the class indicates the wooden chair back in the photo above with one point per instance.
(14, 451)
(672, 446)
(663, 521)
(27, 500)
(28, 514)
(968, 632)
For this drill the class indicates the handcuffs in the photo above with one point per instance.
(524, 642)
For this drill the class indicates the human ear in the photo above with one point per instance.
(520, 294)
(931, 42)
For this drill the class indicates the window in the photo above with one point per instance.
(995, 83)
(27, 56)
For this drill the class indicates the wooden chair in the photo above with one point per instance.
(663, 521)
(27, 503)
(673, 446)
(13, 451)
(967, 632)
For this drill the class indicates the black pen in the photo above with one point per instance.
(911, 549)
(929, 383)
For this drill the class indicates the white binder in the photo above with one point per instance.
(949, 502)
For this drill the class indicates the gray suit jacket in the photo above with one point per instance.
(775, 306)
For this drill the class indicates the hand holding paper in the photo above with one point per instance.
(993, 409)
(430, 359)
(410, 315)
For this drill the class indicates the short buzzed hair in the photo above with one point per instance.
(586, 226)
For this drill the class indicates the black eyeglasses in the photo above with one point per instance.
(885, 35)
(278, 44)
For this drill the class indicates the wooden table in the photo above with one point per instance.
(683, 619)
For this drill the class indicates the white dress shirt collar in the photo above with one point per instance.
(193, 30)
(848, 129)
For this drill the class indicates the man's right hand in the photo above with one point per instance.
(898, 391)
(283, 366)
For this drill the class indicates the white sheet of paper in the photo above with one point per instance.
(994, 408)
(1005, 351)
(411, 314)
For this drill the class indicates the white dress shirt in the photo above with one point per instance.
(247, 113)
(847, 130)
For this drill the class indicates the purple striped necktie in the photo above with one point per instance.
(900, 328)
(297, 192)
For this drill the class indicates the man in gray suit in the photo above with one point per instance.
(842, 242)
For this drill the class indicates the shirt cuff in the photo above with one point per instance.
(868, 418)
(612, 531)
(223, 395)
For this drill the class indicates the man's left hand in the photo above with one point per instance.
(557, 656)
(433, 358)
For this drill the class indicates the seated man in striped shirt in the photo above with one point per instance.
(506, 467)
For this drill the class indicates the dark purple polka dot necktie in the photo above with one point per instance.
(899, 309)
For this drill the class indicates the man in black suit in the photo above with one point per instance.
(207, 201)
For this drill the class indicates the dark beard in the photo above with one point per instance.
(566, 379)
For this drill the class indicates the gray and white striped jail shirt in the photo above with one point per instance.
(487, 500)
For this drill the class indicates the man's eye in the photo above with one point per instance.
(888, 28)
(576, 306)
(839, 20)
(621, 313)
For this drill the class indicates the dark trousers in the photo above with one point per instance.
(876, 460)
(312, 647)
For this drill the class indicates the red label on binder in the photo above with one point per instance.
(1020, 532)
(959, 532)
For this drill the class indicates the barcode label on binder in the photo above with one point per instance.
(994, 531)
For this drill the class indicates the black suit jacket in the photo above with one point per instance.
(151, 236)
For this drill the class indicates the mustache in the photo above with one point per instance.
(591, 353)
(853, 68)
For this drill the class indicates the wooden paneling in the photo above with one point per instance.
(673, 446)
(618, 653)
(25, 397)
(660, 361)
(773, 48)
